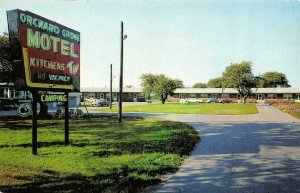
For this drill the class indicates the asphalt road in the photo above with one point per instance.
(241, 154)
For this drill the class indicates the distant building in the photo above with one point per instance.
(9, 96)
(263, 95)
(129, 94)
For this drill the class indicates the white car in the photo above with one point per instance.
(195, 100)
(183, 101)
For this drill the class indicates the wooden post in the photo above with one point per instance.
(67, 142)
(34, 122)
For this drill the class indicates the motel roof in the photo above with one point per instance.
(289, 90)
(97, 89)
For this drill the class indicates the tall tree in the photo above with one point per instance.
(240, 76)
(6, 67)
(273, 80)
(148, 81)
(199, 85)
(215, 83)
(160, 85)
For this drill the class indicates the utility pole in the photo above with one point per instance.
(110, 86)
(121, 77)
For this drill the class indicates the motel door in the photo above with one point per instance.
(260, 98)
(134, 97)
(115, 98)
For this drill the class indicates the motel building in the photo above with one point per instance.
(259, 95)
(129, 94)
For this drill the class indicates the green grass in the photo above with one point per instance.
(202, 108)
(104, 156)
(85, 104)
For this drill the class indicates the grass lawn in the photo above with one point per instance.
(103, 156)
(202, 108)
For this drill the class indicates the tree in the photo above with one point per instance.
(178, 83)
(199, 85)
(160, 85)
(6, 67)
(215, 83)
(240, 76)
(273, 80)
(148, 81)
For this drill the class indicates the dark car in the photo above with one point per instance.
(103, 102)
(211, 100)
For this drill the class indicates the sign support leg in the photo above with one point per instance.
(67, 142)
(34, 122)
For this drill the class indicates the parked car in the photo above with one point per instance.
(224, 100)
(101, 102)
(194, 100)
(183, 101)
(211, 100)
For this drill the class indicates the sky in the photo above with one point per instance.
(191, 40)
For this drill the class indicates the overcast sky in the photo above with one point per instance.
(191, 40)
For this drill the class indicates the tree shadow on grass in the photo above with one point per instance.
(116, 181)
(16, 123)
(40, 144)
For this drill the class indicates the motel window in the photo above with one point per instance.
(298, 96)
(287, 96)
(193, 95)
(101, 95)
(129, 95)
(214, 96)
(203, 95)
(174, 96)
(238, 96)
(182, 96)
(272, 96)
(226, 96)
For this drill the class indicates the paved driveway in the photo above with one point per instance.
(241, 153)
